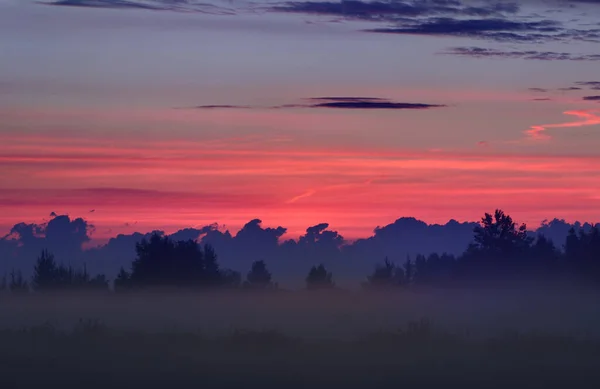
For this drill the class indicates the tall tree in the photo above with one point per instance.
(46, 272)
(18, 284)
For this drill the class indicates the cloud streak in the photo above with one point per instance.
(588, 118)
(480, 52)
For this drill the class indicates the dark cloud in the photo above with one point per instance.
(570, 88)
(542, 99)
(496, 20)
(592, 98)
(340, 102)
(540, 90)
(152, 5)
(104, 4)
(480, 52)
(361, 103)
(61, 235)
(222, 107)
(395, 10)
(593, 85)
(494, 29)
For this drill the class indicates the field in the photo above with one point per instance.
(298, 340)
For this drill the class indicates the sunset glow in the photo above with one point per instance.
(183, 119)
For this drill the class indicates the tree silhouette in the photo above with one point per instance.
(230, 278)
(319, 278)
(162, 262)
(45, 272)
(499, 234)
(582, 252)
(501, 251)
(409, 271)
(386, 275)
(212, 273)
(3, 284)
(434, 270)
(50, 276)
(259, 276)
(17, 283)
(123, 281)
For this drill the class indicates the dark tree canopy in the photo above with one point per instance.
(50, 276)
(259, 276)
(162, 262)
(499, 234)
(501, 251)
(319, 278)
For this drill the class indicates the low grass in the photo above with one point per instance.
(91, 355)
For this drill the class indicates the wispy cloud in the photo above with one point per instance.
(593, 85)
(494, 29)
(480, 52)
(587, 118)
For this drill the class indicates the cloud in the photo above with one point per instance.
(499, 29)
(495, 20)
(592, 85)
(370, 104)
(342, 102)
(395, 10)
(540, 90)
(588, 118)
(480, 52)
(105, 4)
(151, 5)
(592, 98)
(542, 99)
(222, 106)
(301, 196)
(570, 88)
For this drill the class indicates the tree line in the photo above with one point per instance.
(501, 251)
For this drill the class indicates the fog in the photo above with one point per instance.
(330, 314)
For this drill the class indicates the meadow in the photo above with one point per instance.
(346, 339)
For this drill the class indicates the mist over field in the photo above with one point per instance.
(339, 338)
(316, 313)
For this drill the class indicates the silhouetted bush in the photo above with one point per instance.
(319, 278)
(259, 277)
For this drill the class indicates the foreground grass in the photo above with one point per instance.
(92, 355)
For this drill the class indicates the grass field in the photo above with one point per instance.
(300, 341)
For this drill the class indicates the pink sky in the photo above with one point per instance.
(96, 113)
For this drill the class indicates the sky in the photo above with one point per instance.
(165, 114)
